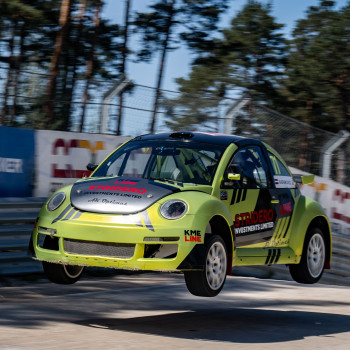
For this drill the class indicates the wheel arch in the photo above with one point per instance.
(220, 227)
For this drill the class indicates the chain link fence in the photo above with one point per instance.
(301, 145)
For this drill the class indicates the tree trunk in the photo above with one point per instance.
(9, 77)
(123, 65)
(54, 65)
(161, 66)
(13, 110)
(90, 63)
(73, 60)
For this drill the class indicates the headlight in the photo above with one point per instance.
(56, 201)
(173, 209)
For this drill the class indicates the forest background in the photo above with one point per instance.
(57, 58)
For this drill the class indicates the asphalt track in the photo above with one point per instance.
(155, 311)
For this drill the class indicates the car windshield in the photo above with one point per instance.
(178, 160)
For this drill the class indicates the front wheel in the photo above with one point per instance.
(209, 281)
(59, 273)
(311, 266)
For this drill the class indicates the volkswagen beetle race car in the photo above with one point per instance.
(195, 202)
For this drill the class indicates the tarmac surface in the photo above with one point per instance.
(155, 311)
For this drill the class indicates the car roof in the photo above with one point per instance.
(201, 137)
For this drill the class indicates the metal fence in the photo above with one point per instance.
(302, 146)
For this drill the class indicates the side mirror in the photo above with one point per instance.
(91, 166)
(234, 177)
(304, 179)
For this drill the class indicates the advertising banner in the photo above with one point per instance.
(334, 198)
(16, 162)
(61, 157)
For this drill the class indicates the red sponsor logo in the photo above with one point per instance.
(117, 188)
(254, 217)
(125, 182)
(285, 208)
(193, 236)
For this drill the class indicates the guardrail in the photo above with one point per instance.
(17, 217)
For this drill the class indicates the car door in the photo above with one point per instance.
(283, 198)
(249, 193)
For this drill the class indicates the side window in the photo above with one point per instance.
(277, 166)
(250, 164)
(281, 175)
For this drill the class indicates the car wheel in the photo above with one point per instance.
(311, 266)
(209, 281)
(59, 273)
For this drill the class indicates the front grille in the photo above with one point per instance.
(113, 250)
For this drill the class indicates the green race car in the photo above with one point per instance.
(195, 202)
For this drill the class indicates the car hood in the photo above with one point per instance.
(115, 195)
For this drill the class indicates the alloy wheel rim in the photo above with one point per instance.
(216, 265)
(316, 255)
(73, 271)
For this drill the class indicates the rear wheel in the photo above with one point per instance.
(311, 266)
(59, 273)
(209, 281)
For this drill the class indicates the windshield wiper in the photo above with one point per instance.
(163, 179)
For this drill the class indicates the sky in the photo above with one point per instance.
(178, 62)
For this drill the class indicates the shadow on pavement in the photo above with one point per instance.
(233, 325)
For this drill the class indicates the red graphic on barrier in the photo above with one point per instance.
(341, 196)
(67, 145)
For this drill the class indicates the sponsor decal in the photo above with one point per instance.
(125, 182)
(286, 208)
(284, 182)
(117, 188)
(193, 236)
(223, 195)
(255, 221)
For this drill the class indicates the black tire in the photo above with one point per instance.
(59, 273)
(311, 266)
(209, 281)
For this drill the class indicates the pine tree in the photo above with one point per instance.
(318, 71)
(250, 56)
(167, 23)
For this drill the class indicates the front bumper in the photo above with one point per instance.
(118, 241)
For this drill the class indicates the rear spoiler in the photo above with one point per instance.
(304, 179)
